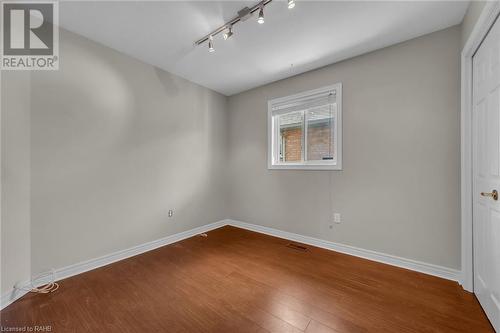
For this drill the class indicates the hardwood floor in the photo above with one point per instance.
(240, 281)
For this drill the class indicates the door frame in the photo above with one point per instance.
(488, 16)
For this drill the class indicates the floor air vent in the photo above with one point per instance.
(297, 247)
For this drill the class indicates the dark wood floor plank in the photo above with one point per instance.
(240, 281)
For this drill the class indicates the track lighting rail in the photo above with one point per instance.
(232, 22)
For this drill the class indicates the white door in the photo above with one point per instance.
(486, 174)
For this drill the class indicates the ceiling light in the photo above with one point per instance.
(211, 44)
(291, 4)
(228, 33)
(261, 15)
(226, 30)
(244, 14)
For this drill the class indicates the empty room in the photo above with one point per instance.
(245, 166)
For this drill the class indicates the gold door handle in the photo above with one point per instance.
(493, 194)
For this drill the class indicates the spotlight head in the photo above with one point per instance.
(228, 33)
(260, 20)
(211, 44)
(291, 4)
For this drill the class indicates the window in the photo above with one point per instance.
(305, 130)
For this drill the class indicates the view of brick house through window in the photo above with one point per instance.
(320, 142)
(305, 130)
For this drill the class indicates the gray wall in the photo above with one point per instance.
(15, 194)
(470, 19)
(399, 190)
(115, 144)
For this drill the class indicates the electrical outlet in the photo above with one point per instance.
(337, 218)
(170, 213)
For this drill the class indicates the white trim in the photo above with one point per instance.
(85, 266)
(414, 265)
(486, 19)
(11, 296)
(306, 165)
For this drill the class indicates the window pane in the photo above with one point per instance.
(320, 133)
(290, 136)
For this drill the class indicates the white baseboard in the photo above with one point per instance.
(84, 266)
(414, 265)
(12, 295)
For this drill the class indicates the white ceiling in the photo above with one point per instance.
(313, 34)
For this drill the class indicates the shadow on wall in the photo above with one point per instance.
(115, 144)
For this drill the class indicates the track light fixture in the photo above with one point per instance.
(243, 15)
(260, 20)
(211, 44)
(228, 33)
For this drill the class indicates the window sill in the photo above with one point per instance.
(331, 167)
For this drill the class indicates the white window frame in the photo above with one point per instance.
(272, 137)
